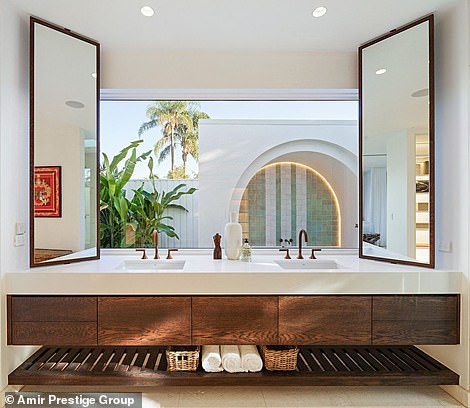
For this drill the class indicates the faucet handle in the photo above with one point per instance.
(169, 253)
(313, 253)
(144, 255)
(286, 250)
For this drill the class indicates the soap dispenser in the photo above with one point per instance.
(233, 238)
(246, 251)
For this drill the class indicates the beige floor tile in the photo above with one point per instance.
(221, 397)
(300, 397)
(378, 397)
(165, 399)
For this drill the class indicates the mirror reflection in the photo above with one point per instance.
(396, 165)
(65, 143)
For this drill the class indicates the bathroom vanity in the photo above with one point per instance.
(346, 335)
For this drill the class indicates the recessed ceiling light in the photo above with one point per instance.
(147, 11)
(319, 11)
(381, 71)
(94, 75)
(420, 93)
(75, 104)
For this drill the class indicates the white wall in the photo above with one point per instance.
(401, 187)
(14, 169)
(452, 165)
(62, 145)
(227, 69)
(232, 151)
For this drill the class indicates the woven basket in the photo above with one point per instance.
(280, 358)
(182, 358)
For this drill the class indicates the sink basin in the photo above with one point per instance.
(151, 265)
(307, 263)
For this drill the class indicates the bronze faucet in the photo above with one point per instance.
(304, 233)
(155, 241)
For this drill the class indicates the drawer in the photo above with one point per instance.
(328, 320)
(416, 319)
(53, 308)
(234, 320)
(142, 320)
(54, 333)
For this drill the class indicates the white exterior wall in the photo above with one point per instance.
(232, 151)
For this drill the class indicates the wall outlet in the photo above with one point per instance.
(19, 240)
(445, 246)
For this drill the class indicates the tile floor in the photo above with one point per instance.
(283, 397)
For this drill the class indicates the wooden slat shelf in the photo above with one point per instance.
(146, 366)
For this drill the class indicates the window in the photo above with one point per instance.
(279, 165)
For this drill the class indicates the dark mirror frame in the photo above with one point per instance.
(33, 21)
(430, 20)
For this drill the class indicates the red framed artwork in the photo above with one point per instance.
(47, 191)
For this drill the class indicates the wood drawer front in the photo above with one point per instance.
(141, 320)
(329, 320)
(53, 309)
(54, 333)
(416, 319)
(234, 320)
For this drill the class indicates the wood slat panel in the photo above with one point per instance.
(92, 372)
(325, 320)
(53, 308)
(54, 333)
(144, 320)
(234, 320)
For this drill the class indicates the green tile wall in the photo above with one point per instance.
(322, 214)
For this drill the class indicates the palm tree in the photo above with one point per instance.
(168, 115)
(189, 138)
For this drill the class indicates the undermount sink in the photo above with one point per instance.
(307, 263)
(151, 265)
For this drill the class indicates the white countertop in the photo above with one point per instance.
(203, 276)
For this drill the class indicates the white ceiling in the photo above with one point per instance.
(229, 24)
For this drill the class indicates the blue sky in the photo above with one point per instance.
(120, 121)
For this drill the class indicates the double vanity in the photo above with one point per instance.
(121, 305)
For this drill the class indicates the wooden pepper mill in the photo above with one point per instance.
(217, 249)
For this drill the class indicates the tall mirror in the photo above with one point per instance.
(64, 87)
(396, 146)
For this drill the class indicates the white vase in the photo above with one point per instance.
(233, 238)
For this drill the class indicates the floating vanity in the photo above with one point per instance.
(356, 324)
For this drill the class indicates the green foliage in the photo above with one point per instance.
(114, 207)
(145, 212)
(177, 173)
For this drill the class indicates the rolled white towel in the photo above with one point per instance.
(231, 360)
(211, 360)
(251, 360)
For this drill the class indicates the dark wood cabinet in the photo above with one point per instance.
(234, 320)
(54, 333)
(53, 308)
(325, 320)
(144, 320)
(424, 319)
(183, 320)
(52, 320)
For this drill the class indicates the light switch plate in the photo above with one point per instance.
(20, 228)
(445, 246)
(19, 240)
